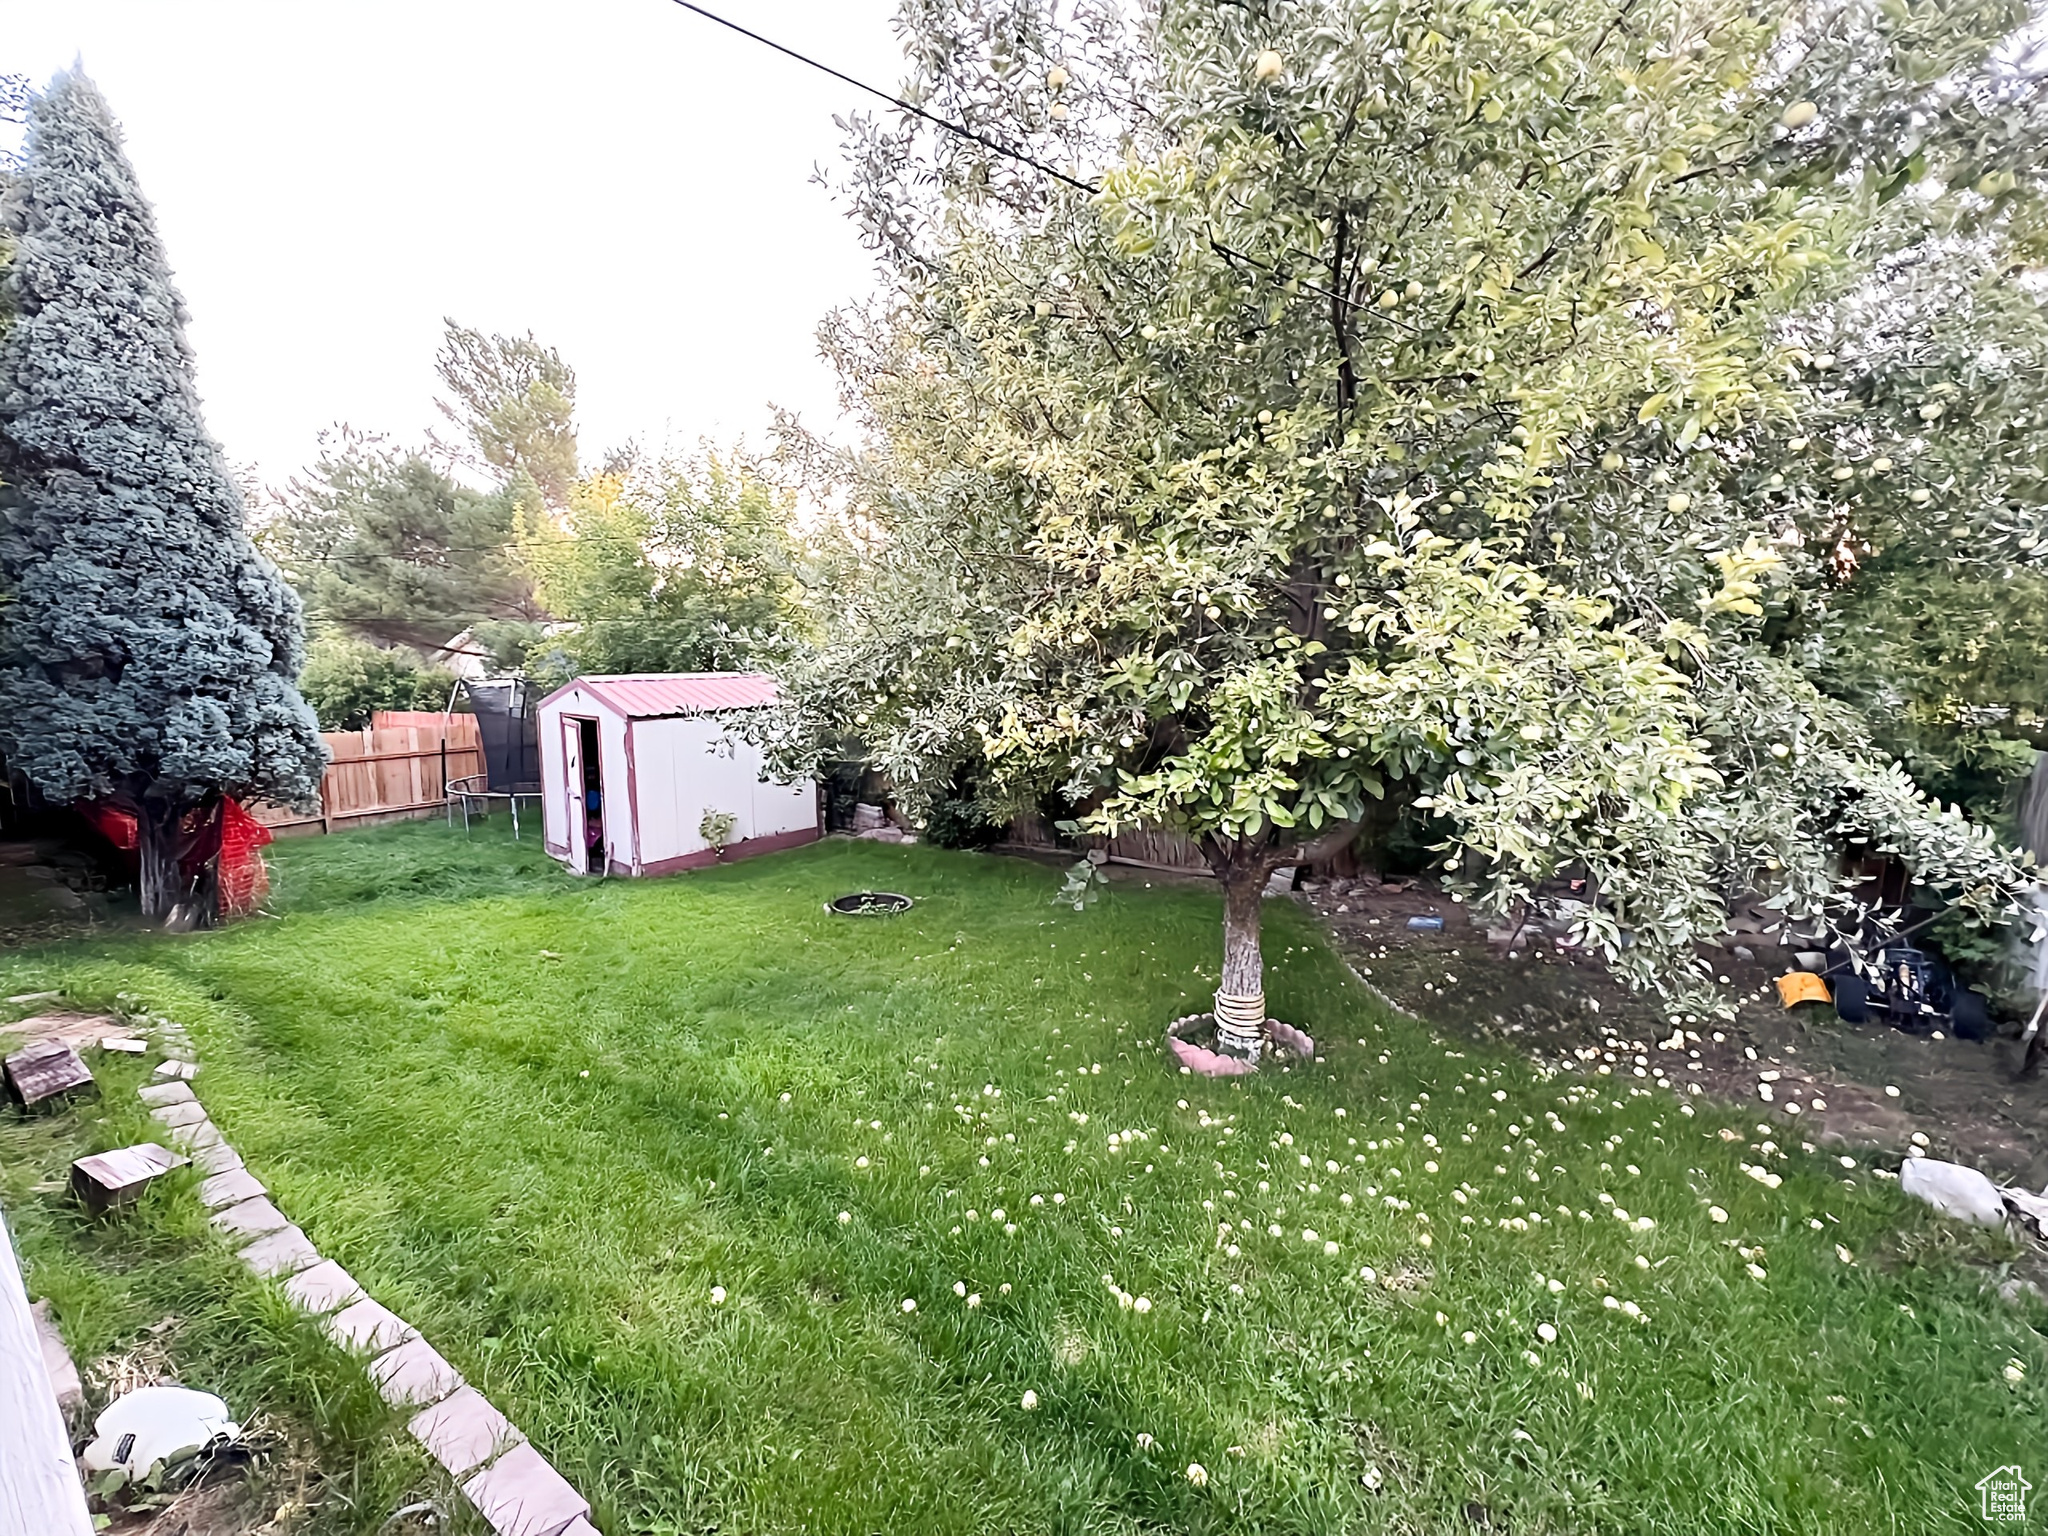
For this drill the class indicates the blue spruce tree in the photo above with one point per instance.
(147, 651)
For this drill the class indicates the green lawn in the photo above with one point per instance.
(555, 1122)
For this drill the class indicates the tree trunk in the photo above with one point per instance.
(1241, 1000)
(178, 859)
(159, 881)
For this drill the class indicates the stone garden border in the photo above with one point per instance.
(513, 1486)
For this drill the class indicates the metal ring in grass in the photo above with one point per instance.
(869, 904)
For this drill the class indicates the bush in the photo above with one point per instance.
(957, 821)
(348, 680)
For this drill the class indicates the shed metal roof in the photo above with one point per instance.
(651, 695)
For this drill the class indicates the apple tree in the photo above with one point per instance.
(1354, 397)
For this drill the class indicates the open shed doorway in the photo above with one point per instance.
(586, 778)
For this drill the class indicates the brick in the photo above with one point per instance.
(464, 1432)
(220, 1158)
(229, 1188)
(321, 1288)
(160, 1094)
(521, 1495)
(283, 1252)
(252, 1218)
(414, 1375)
(48, 1069)
(368, 1325)
(188, 1111)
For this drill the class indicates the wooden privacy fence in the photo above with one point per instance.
(1147, 847)
(400, 767)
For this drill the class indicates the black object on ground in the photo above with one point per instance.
(1913, 989)
(869, 904)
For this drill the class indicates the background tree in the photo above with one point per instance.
(1361, 396)
(148, 651)
(690, 564)
(385, 545)
(515, 402)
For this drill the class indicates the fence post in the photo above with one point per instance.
(324, 827)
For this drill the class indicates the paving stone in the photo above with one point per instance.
(230, 1188)
(521, 1495)
(324, 1287)
(165, 1093)
(414, 1375)
(251, 1218)
(187, 1070)
(369, 1325)
(284, 1252)
(127, 1045)
(76, 1030)
(188, 1111)
(197, 1137)
(219, 1158)
(464, 1432)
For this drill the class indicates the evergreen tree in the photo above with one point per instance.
(384, 544)
(515, 400)
(147, 651)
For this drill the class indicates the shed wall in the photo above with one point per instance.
(685, 767)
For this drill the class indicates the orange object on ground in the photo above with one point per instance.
(1798, 987)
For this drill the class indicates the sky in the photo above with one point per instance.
(626, 180)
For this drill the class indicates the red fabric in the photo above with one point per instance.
(117, 826)
(244, 877)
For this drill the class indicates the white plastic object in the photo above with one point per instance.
(1955, 1191)
(143, 1430)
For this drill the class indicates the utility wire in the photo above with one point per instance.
(963, 131)
(895, 101)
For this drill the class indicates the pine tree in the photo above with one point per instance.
(147, 651)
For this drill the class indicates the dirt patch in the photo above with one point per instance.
(1964, 1097)
(50, 891)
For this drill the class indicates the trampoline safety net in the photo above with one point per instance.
(505, 723)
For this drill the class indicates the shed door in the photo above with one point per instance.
(572, 793)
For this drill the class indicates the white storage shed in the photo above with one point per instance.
(630, 765)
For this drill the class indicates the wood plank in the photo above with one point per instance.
(40, 1494)
(107, 1179)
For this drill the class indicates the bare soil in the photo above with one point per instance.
(50, 891)
(1964, 1097)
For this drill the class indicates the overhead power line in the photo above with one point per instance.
(895, 101)
(994, 146)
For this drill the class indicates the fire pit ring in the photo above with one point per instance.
(869, 904)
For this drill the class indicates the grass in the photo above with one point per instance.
(552, 1122)
(152, 1294)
